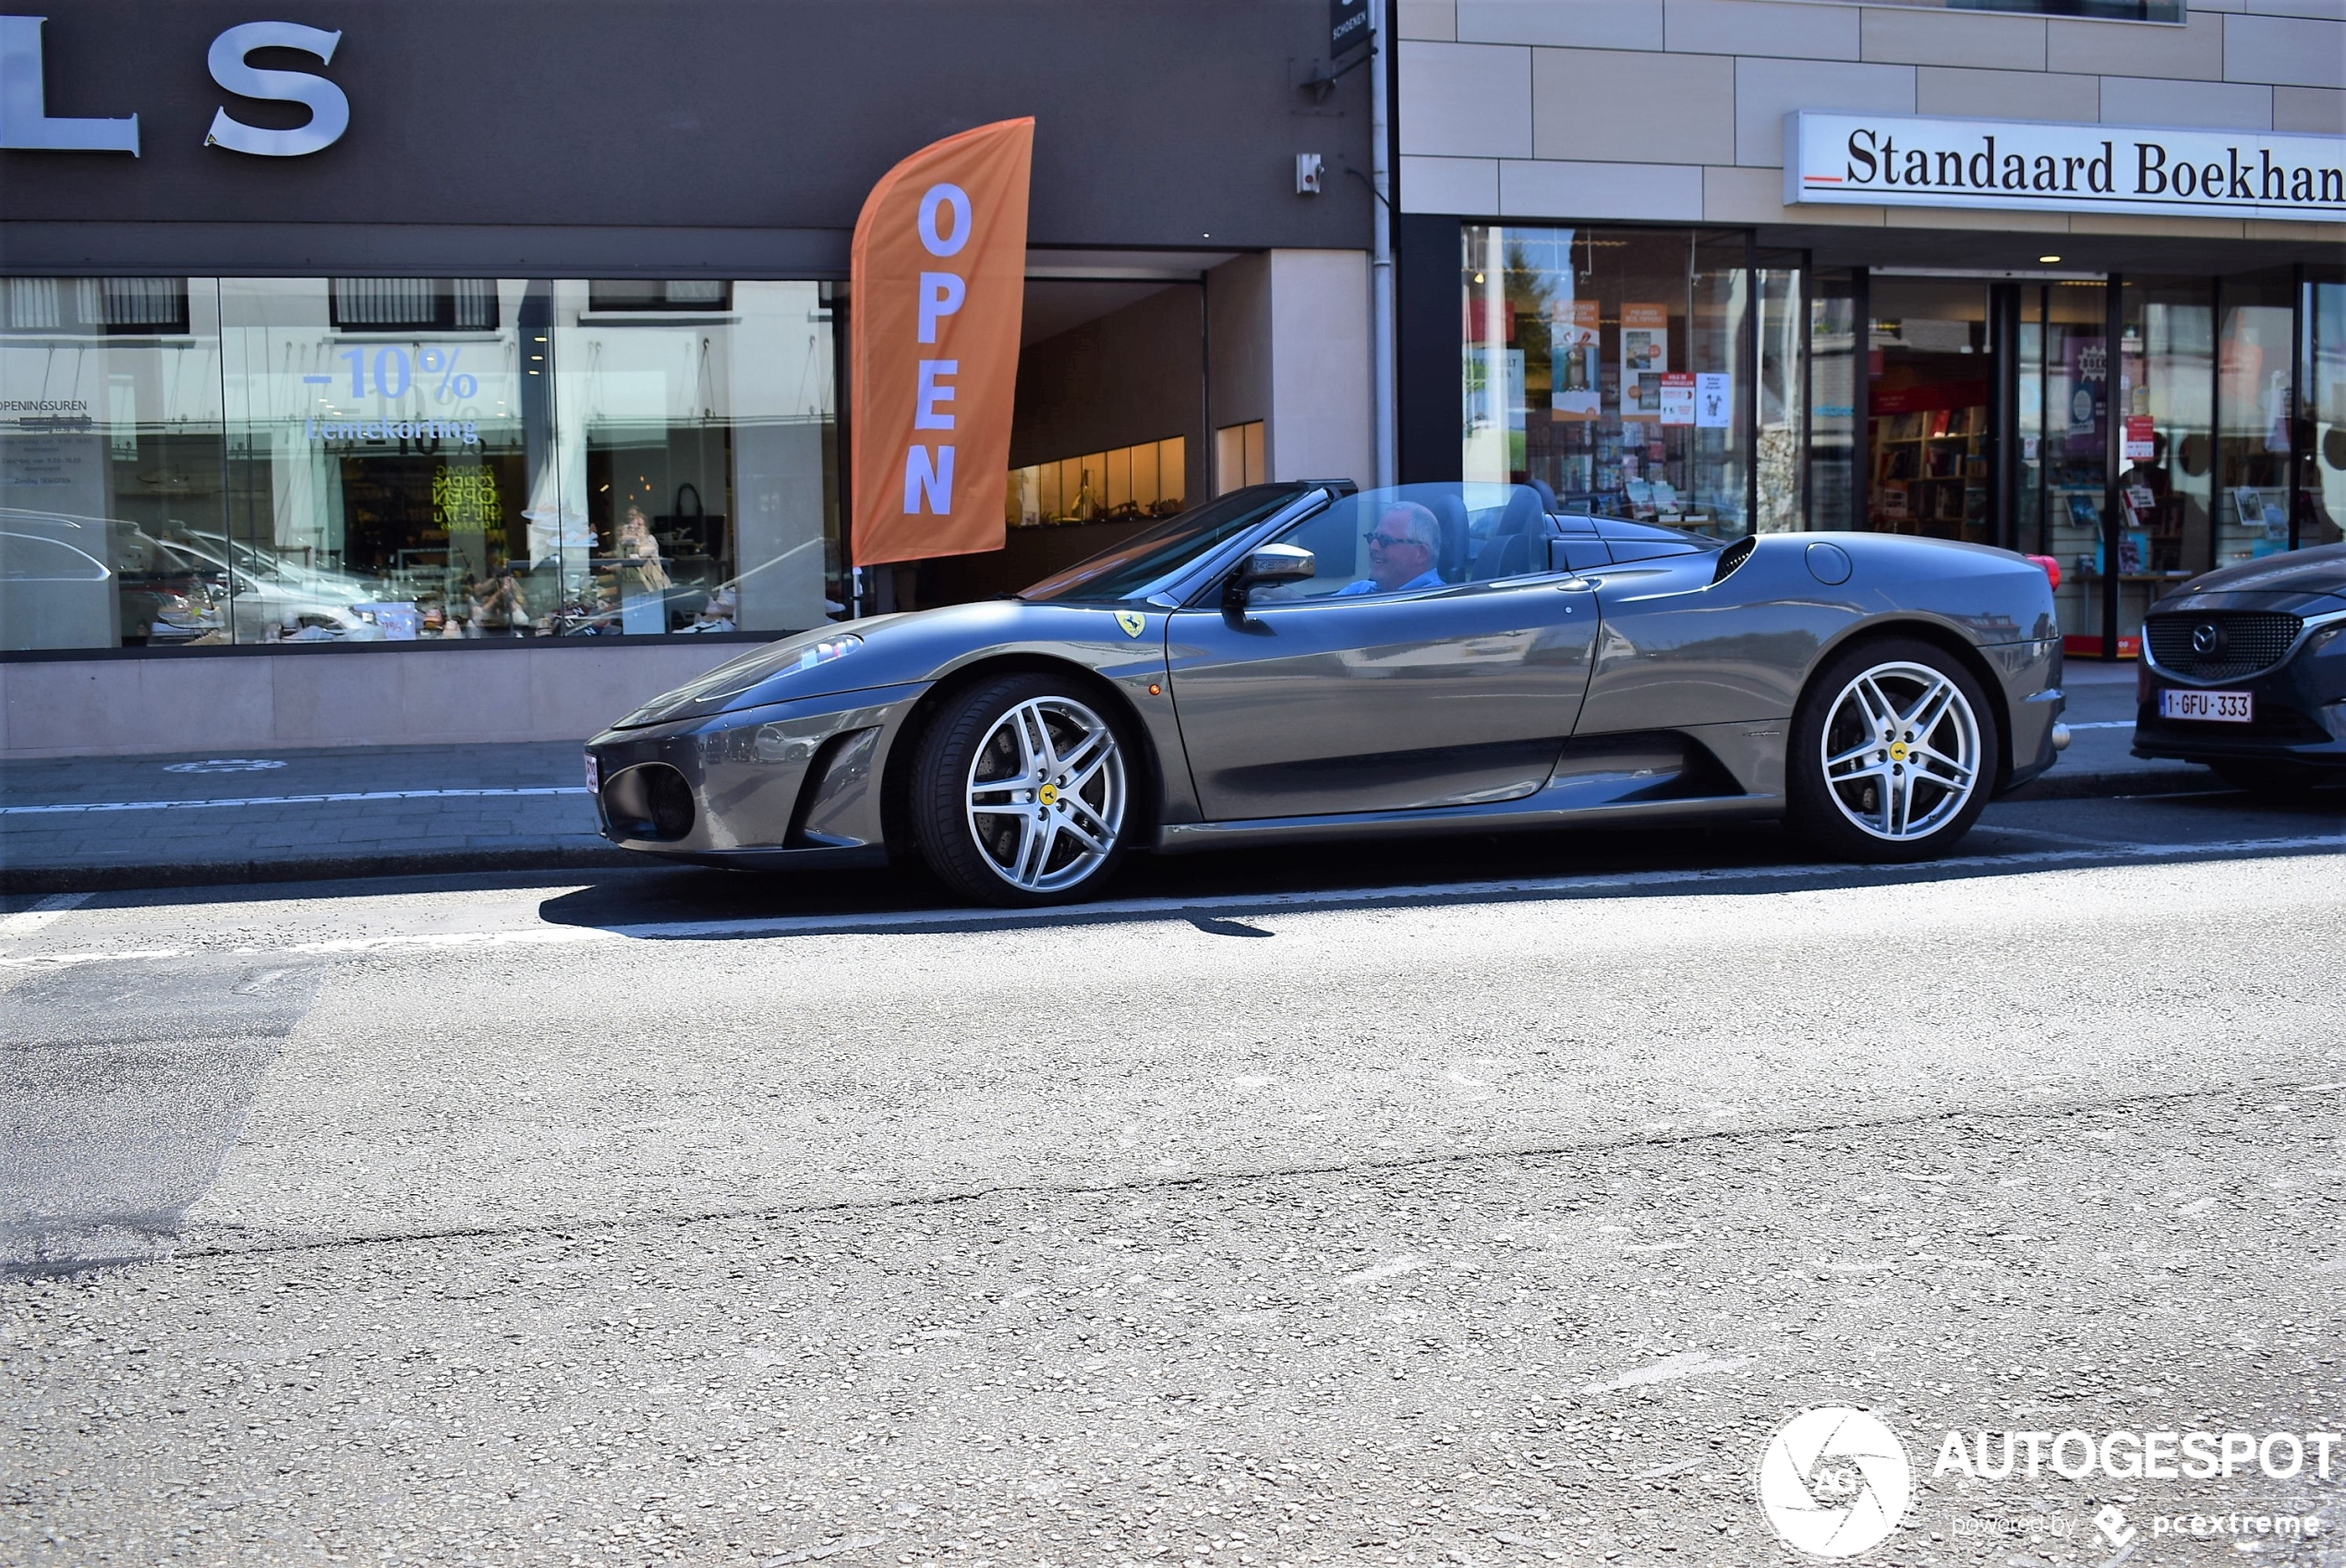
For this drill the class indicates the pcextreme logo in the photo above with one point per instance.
(1834, 1482)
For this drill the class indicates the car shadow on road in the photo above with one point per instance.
(1207, 889)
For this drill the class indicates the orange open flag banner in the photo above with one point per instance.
(939, 275)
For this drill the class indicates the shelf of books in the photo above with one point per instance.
(1931, 473)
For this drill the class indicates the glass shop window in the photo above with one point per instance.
(1130, 484)
(1609, 366)
(2253, 388)
(311, 460)
(111, 443)
(2166, 382)
(2323, 505)
(1237, 456)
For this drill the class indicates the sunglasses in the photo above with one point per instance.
(1386, 541)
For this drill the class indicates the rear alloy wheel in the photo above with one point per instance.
(1893, 754)
(1020, 794)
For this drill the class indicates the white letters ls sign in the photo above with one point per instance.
(329, 110)
(26, 124)
(1899, 161)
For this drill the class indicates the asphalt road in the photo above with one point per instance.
(1489, 1202)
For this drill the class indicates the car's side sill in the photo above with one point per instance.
(858, 857)
(1531, 812)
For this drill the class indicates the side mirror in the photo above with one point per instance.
(1270, 565)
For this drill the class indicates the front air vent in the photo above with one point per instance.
(650, 800)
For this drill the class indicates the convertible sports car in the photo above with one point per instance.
(1301, 661)
(2244, 669)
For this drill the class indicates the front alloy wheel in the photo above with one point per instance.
(1024, 796)
(1894, 753)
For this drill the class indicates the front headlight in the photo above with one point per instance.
(751, 672)
(823, 651)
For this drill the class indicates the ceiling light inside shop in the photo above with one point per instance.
(2047, 259)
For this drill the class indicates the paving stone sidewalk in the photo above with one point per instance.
(385, 810)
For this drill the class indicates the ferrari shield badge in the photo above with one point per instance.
(1133, 622)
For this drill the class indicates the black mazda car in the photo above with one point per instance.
(2244, 669)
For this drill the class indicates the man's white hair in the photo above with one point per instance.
(1418, 523)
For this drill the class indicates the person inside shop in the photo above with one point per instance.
(497, 607)
(721, 612)
(1402, 550)
(639, 550)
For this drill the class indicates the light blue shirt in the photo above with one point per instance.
(1427, 579)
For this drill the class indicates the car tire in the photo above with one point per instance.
(2268, 777)
(1893, 753)
(1023, 792)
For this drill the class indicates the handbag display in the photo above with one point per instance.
(698, 532)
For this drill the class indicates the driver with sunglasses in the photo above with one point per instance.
(1401, 553)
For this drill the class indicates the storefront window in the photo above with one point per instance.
(275, 460)
(2254, 385)
(2072, 444)
(1130, 484)
(2323, 506)
(1833, 398)
(2166, 383)
(1611, 366)
(694, 422)
(1782, 397)
(1927, 436)
(109, 444)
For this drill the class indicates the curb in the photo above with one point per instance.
(314, 868)
(2182, 778)
(597, 856)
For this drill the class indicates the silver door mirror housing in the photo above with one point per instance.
(1275, 563)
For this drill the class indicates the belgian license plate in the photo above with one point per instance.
(594, 774)
(2223, 707)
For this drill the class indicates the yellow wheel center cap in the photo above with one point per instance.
(1049, 794)
(1898, 751)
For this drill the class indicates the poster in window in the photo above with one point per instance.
(1677, 397)
(1645, 354)
(1714, 400)
(1572, 335)
(2087, 363)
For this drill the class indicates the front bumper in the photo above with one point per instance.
(2300, 713)
(792, 784)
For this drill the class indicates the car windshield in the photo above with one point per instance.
(1134, 568)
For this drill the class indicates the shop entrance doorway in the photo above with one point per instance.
(1988, 417)
(1931, 410)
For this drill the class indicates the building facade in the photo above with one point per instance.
(451, 372)
(460, 372)
(2056, 275)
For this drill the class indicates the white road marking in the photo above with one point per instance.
(1686, 1363)
(24, 923)
(1139, 909)
(334, 798)
(1392, 1268)
(62, 960)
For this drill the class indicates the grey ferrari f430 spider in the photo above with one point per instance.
(1306, 661)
